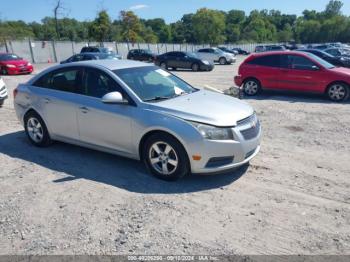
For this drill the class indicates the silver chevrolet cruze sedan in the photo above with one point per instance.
(140, 111)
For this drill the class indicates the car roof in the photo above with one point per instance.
(278, 53)
(112, 64)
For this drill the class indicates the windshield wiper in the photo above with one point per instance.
(157, 98)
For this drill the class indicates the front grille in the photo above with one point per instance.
(249, 127)
(251, 132)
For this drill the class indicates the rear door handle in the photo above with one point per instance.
(84, 109)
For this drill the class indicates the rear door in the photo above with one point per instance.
(57, 95)
(267, 69)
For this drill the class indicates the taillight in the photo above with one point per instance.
(15, 91)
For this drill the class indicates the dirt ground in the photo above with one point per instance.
(293, 199)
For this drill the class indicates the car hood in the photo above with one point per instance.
(206, 107)
(342, 70)
(16, 62)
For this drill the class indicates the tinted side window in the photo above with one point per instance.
(300, 63)
(43, 81)
(77, 58)
(67, 80)
(270, 61)
(96, 83)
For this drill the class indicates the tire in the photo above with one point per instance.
(338, 92)
(222, 61)
(163, 65)
(251, 87)
(169, 166)
(195, 67)
(36, 130)
(2, 102)
(4, 71)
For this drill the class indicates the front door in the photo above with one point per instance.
(105, 125)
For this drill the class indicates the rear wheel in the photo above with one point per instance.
(2, 103)
(222, 61)
(251, 87)
(165, 157)
(36, 130)
(195, 67)
(338, 92)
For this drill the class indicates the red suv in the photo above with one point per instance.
(297, 71)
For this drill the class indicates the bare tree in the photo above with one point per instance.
(56, 12)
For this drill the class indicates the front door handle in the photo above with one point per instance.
(84, 109)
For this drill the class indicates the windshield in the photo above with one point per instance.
(152, 83)
(321, 61)
(9, 57)
(192, 55)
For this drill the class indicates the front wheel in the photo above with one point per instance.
(222, 61)
(36, 130)
(338, 92)
(4, 71)
(251, 87)
(165, 157)
(195, 67)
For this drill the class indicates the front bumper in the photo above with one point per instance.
(238, 80)
(223, 156)
(205, 67)
(19, 70)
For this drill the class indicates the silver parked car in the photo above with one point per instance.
(3, 92)
(139, 111)
(216, 55)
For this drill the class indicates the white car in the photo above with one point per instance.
(216, 55)
(3, 92)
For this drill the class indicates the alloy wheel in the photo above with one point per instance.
(337, 92)
(35, 130)
(251, 87)
(163, 158)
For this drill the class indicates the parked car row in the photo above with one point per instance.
(294, 71)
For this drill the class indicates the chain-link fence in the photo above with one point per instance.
(55, 51)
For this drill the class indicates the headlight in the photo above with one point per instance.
(11, 66)
(212, 132)
(29, 64)
(205, 62)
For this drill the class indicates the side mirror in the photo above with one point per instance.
(114, 98)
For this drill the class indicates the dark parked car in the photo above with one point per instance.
(183, 60)
(334, 60)
(338, 52)
(240, 51)
(90, 56)
(96, 49)
(225, 49)
(141, 55)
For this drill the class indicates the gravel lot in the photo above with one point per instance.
(293, 199)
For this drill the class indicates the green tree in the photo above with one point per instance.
(333, 8)
(160, 28)
(131, 26)
(100, 28)
(209, 26)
